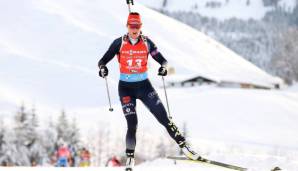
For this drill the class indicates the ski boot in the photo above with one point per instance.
(130, 162)
(188, 152)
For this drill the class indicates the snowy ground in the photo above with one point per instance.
(250, 128)
(171, 168)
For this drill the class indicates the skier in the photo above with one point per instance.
(132, 51)
(113, 162)
(63, 156)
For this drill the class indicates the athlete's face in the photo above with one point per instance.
(134, 31)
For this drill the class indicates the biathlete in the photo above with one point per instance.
(132, 51)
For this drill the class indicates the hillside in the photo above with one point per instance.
(255, 29)
(49, 52)
(48, 59)
(223, 9)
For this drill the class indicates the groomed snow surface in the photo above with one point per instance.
(49, 51)
(145, 168)
(56, 54)
(251, 128)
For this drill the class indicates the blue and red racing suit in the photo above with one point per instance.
(134, 84)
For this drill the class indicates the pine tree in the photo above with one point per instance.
(49, 139)
(28, 142)
(285, 59)
(165, 3)
(1, 135)
(68, 133)
(74, 137)
(2, 144)
(62, 128)
(8, 150)
(24, 138)
(36, 149)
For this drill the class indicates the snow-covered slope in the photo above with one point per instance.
(49, 51)
(221, 9)
(48, 55)
(252, 128)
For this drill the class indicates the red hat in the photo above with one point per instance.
(134, 19)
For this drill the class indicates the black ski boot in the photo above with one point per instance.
(130, 161)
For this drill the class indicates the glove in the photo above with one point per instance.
(103, 71)
(162, 71)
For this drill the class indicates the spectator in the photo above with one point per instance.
(84, 158)
(113, 162)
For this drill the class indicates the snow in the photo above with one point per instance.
(49, 51)
(226, 10)
(293, 88)
(56, 53)
(174, 168)
(288, 4)
(233, 125)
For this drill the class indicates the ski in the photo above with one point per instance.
(207, 161)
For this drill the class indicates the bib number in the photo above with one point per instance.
(137, 61)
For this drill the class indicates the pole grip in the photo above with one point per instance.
(130, 2)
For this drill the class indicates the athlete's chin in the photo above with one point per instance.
(134, 35)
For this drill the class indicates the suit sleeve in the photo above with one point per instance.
(156, 55)
(112, 51)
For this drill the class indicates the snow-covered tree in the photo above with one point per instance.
(27, 138)
(1, 134)
(286, 60)
(164, 3)
(8, 150)
(74, 137)
(49, 140)
(270, 2)
(66, 131)
(100, 143)
(36, 149)
(62, 127)
(257, 40)
(23, 139)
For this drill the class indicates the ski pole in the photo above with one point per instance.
(129, 3)
(108, 92)
(164, 87)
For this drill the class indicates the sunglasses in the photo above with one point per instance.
(134, 26)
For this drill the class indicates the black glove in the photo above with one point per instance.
(103, 71)
(162, 71)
